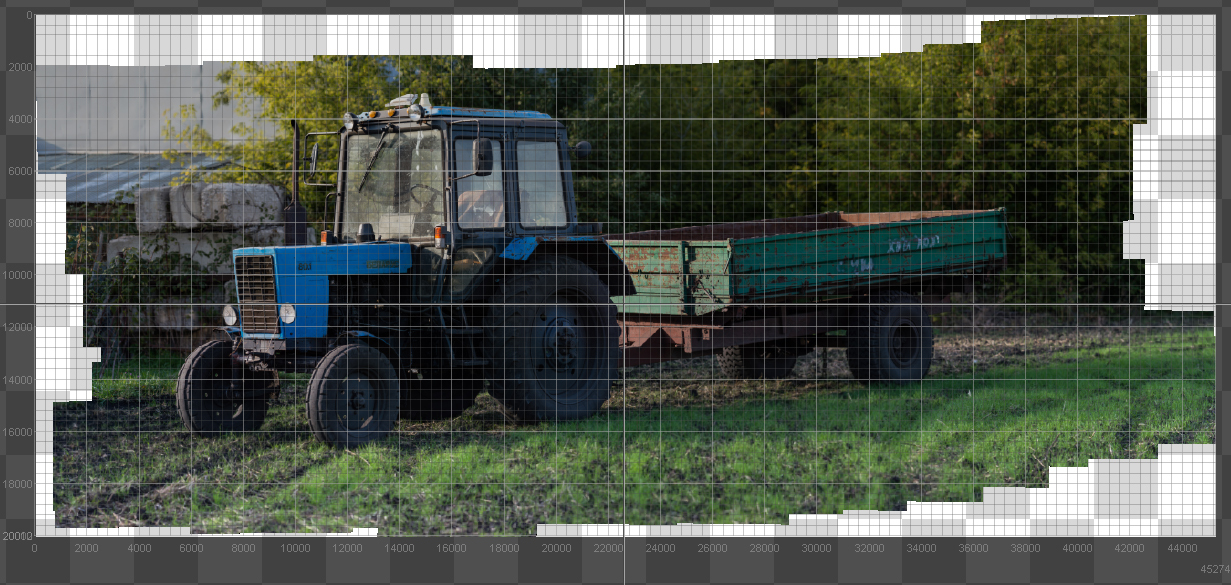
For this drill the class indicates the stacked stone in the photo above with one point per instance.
(204, 221)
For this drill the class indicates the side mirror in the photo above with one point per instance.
(482, 157)
(312, 168)
(582, 150)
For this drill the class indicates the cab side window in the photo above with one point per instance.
(480, 200)
(540, 188)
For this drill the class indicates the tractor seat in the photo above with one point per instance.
(477, 210)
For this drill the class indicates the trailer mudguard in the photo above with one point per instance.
(593, 251)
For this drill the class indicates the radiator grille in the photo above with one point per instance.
(258, 299)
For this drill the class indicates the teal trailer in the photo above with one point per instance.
(762, 293)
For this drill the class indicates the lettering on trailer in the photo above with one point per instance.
(856, 266)
(914, 243)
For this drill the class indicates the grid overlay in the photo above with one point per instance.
(1178, 254)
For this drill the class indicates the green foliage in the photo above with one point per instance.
(1037, 118)
(121, 294)
(1007, 122)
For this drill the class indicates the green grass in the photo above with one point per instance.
(149, 376)
(692, 449)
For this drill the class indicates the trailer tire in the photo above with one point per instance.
(552, 345)
(756, 361)
(210, 388)
(353, 396)
(891, 340)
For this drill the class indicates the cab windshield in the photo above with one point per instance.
(400, 191)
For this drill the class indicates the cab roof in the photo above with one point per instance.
(485, 113)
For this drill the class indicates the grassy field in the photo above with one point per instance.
(677, 443)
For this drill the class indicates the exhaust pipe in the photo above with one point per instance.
(294, 216)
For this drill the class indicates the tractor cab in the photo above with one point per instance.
(407, 170)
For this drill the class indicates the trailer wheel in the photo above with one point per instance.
(353, 396)
(755, 361)
(553, 345)
(894, 341)
(214, 395)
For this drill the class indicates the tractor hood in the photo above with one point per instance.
(369, 258)
(268, 277)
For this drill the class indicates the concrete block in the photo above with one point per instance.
(154, 209)
(212, 250)
(190, 313)
(185, 204)
(236, 206)
(225, 206)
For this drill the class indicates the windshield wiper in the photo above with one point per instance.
(379, 146)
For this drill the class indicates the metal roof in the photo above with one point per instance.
(102, 176)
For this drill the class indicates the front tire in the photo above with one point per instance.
(353, 396)
(890, 340)
(553, 345)
(215, 395)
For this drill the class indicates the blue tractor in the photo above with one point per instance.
(456, 258)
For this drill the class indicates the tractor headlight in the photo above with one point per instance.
(348, 120)
(230, 316)
(287, 313)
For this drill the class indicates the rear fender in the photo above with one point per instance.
(593, 251)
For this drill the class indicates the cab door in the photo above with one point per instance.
(482, 216)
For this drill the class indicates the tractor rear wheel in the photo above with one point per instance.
(553, 344)
(890, 340)
(215, 395)
(353, 396)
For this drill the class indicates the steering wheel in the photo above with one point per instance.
(411, 192)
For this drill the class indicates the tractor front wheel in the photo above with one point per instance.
(215, 395)
(552, 344)
(353, 396)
